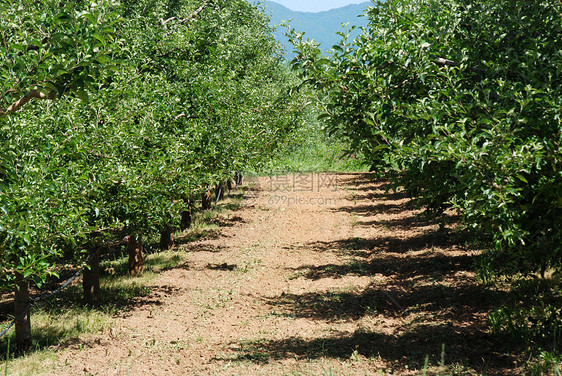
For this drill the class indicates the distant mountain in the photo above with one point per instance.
(321, 26)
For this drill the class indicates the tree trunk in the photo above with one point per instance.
(206, 200)
(229, 184)
(23, 325)
(167, 239)
(219, 192)
(91, 280)
(186, 218)
(135, 254)
(238, 179)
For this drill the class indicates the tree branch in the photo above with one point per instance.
(26, 98)
(451, 63)
(443, 61)
(193, 15)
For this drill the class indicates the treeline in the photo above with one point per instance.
(115, 116)
(463, 100)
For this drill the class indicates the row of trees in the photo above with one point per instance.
(114, 116)
(464, 100)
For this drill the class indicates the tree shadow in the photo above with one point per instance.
(431, 317)
(447, 342)
(228, 222)
(431, 264)
(400, 299)
(398, 244)
(423, 288)
(224, 266)
(372, 209)
(203, 247)
(417, 221)
(364, 182)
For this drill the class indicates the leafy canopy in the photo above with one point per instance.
(464, 99)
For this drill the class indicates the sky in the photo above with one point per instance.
(316, 5)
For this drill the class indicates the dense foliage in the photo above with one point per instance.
(464, 100)
(115, 115)
(48, 50)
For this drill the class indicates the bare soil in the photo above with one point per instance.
(316, 275)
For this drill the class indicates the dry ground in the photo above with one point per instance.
(337, 278)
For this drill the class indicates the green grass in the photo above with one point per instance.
(313, 151)
(546, 363)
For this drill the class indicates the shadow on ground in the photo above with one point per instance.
(423, 290)
(432, 264)
(395, 244)
(406, 350)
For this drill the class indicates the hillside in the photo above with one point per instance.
(321, 26)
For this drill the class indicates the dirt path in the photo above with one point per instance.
(337, 278)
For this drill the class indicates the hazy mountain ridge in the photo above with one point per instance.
(321, 26)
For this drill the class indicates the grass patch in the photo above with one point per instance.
(52, 327)
(312, 150)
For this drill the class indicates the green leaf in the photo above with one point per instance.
(90, 17)
(522, 178)
(83, 95)
(99, 37)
